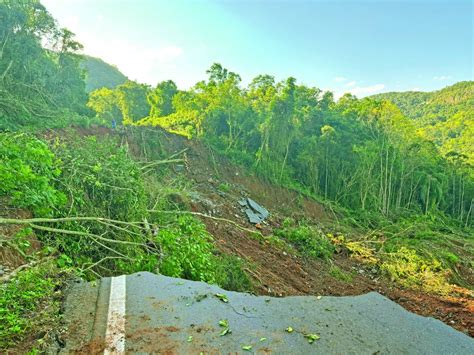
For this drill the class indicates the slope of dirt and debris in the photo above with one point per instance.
(219, 185)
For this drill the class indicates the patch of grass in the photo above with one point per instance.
(30, 304)
(308, 240)
(224, 187)
(340, 274)
(230, 275)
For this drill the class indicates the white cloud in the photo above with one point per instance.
(350, 84)
(340, 79)
(70, 22)
(366, 90)
(359, 91)
(442, 77)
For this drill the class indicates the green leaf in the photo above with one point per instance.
(289, 330)
(224, 323)
(190, 338)
(247, 347)
(225, 332)
(263, 339)
(222, 297)
(311, 337)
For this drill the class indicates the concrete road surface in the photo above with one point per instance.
(147, 313)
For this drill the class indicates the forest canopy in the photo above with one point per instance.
(392, 154)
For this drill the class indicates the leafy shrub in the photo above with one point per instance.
(340, 274)
(100, 180)
(309, 240)
(187, 251)
(27, 170)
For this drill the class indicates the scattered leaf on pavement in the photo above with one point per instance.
(225, 332)
(311, 337)
(222, 297)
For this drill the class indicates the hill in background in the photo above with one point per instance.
(101, 74)
(435, 105)
(446, 117)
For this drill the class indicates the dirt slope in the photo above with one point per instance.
(218, 185)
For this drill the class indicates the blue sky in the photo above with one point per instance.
(362, 47)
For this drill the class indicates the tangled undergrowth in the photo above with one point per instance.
(401, 265)
(100, 224)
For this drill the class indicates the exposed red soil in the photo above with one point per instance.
(278, 273)
(10, 256)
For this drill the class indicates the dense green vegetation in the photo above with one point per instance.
(364, 155)
(445, 117)
(100, 74)
(100, 200)
(27, 170)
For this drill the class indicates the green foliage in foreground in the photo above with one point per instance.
(27, 171)
(30, 304)
(187, 251)
(99, 178)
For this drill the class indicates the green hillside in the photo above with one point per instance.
(100, 74)
(433, 106)
(445, 117)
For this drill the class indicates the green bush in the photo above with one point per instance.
(27, 171)
(309, 240)
(187, 251)
(100, 179)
